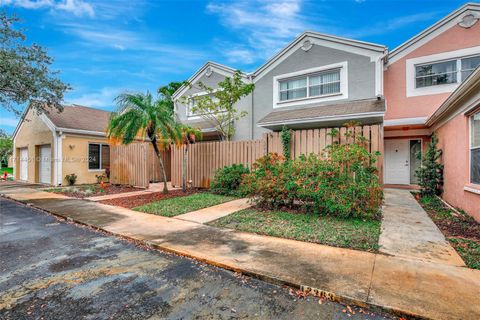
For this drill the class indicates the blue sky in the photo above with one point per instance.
(103, 48)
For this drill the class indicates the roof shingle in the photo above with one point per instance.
(80, 118)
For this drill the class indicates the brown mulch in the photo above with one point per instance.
(108, 189)
(135, 201)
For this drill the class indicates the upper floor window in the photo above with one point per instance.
(313, 85)
(475, 149)
(192, 102)
(445, 72)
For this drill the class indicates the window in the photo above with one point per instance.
(452, 71)
(475, 149)
(468, 65)
(436, 73)
(192, 102)
(98, 156)
(313, 85)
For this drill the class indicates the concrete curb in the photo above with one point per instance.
(318, 292)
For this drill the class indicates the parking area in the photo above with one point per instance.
(52, 269)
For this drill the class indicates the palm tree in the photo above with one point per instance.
(140, 116)
(188, 137)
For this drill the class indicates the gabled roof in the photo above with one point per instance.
(356, 46)
(76, 117)
(434, 30)
(455, 103)
(207, 67)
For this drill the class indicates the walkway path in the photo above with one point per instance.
(213, 213)
(408, 232)
(410, 286)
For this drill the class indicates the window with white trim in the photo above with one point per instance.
(475, 149)
(98, 156)
(192, 102)
(313, 85)
(445, 72)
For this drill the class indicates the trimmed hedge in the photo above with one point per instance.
(227, 180)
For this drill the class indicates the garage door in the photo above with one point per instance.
(24, 164)
(44, 165)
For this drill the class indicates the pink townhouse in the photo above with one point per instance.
(431, 85)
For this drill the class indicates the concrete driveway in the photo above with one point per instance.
(50, 269)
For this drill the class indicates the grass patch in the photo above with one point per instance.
(346, 233)
(460, 229)
(175, 206)
(8, 170)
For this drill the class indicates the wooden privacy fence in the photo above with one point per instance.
(204, 158)
(136, 164)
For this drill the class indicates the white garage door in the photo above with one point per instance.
(24, 164)
(44, 165)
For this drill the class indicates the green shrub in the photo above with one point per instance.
(286, 137)
(430, 173)
(227, 180)
(341, 182)
(71, 179)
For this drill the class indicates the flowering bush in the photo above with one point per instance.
(227, 180)
(342, 181)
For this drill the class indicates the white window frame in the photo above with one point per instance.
(411, 64)
(343, 94)
(190, 104)
(457, 72)
(100, 160)
(471, 147)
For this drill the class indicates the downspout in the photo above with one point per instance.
(252, 109)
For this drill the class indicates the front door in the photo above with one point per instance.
(397, 161)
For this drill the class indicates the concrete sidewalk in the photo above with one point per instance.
(215, 212)
(409, 286)
(408, 231)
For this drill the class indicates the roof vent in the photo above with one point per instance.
(307, 45)
(468, 21)
(209, 72)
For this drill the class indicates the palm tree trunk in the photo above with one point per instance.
(185, 161)
(162, 166)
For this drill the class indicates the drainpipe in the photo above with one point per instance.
(252, 109)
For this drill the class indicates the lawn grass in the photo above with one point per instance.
(179, 205)
(460, 229)
(8, 170)
(345, 233)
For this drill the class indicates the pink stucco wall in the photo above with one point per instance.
(401, 106)
(454, 141)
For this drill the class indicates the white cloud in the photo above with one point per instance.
(8, 122)
(266, 25)
(76, 7)
(100, 99)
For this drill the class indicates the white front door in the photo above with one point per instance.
(23, 164)
(397, 162)
(44, 165)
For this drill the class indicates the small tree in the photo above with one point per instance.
(6, 147)
(166, 92)
(217, 106)
(140, 116)
(430, 173)
(286, 136)
(24, 71)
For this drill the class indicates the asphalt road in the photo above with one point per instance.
(51, 269)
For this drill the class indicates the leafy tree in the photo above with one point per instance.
(188, 136)
(166, 92)
(217, 106)
(430, 173)
(24, 71)
(6, 147)
(140, 116)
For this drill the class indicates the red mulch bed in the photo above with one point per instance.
(109, 189)
(135, 201)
